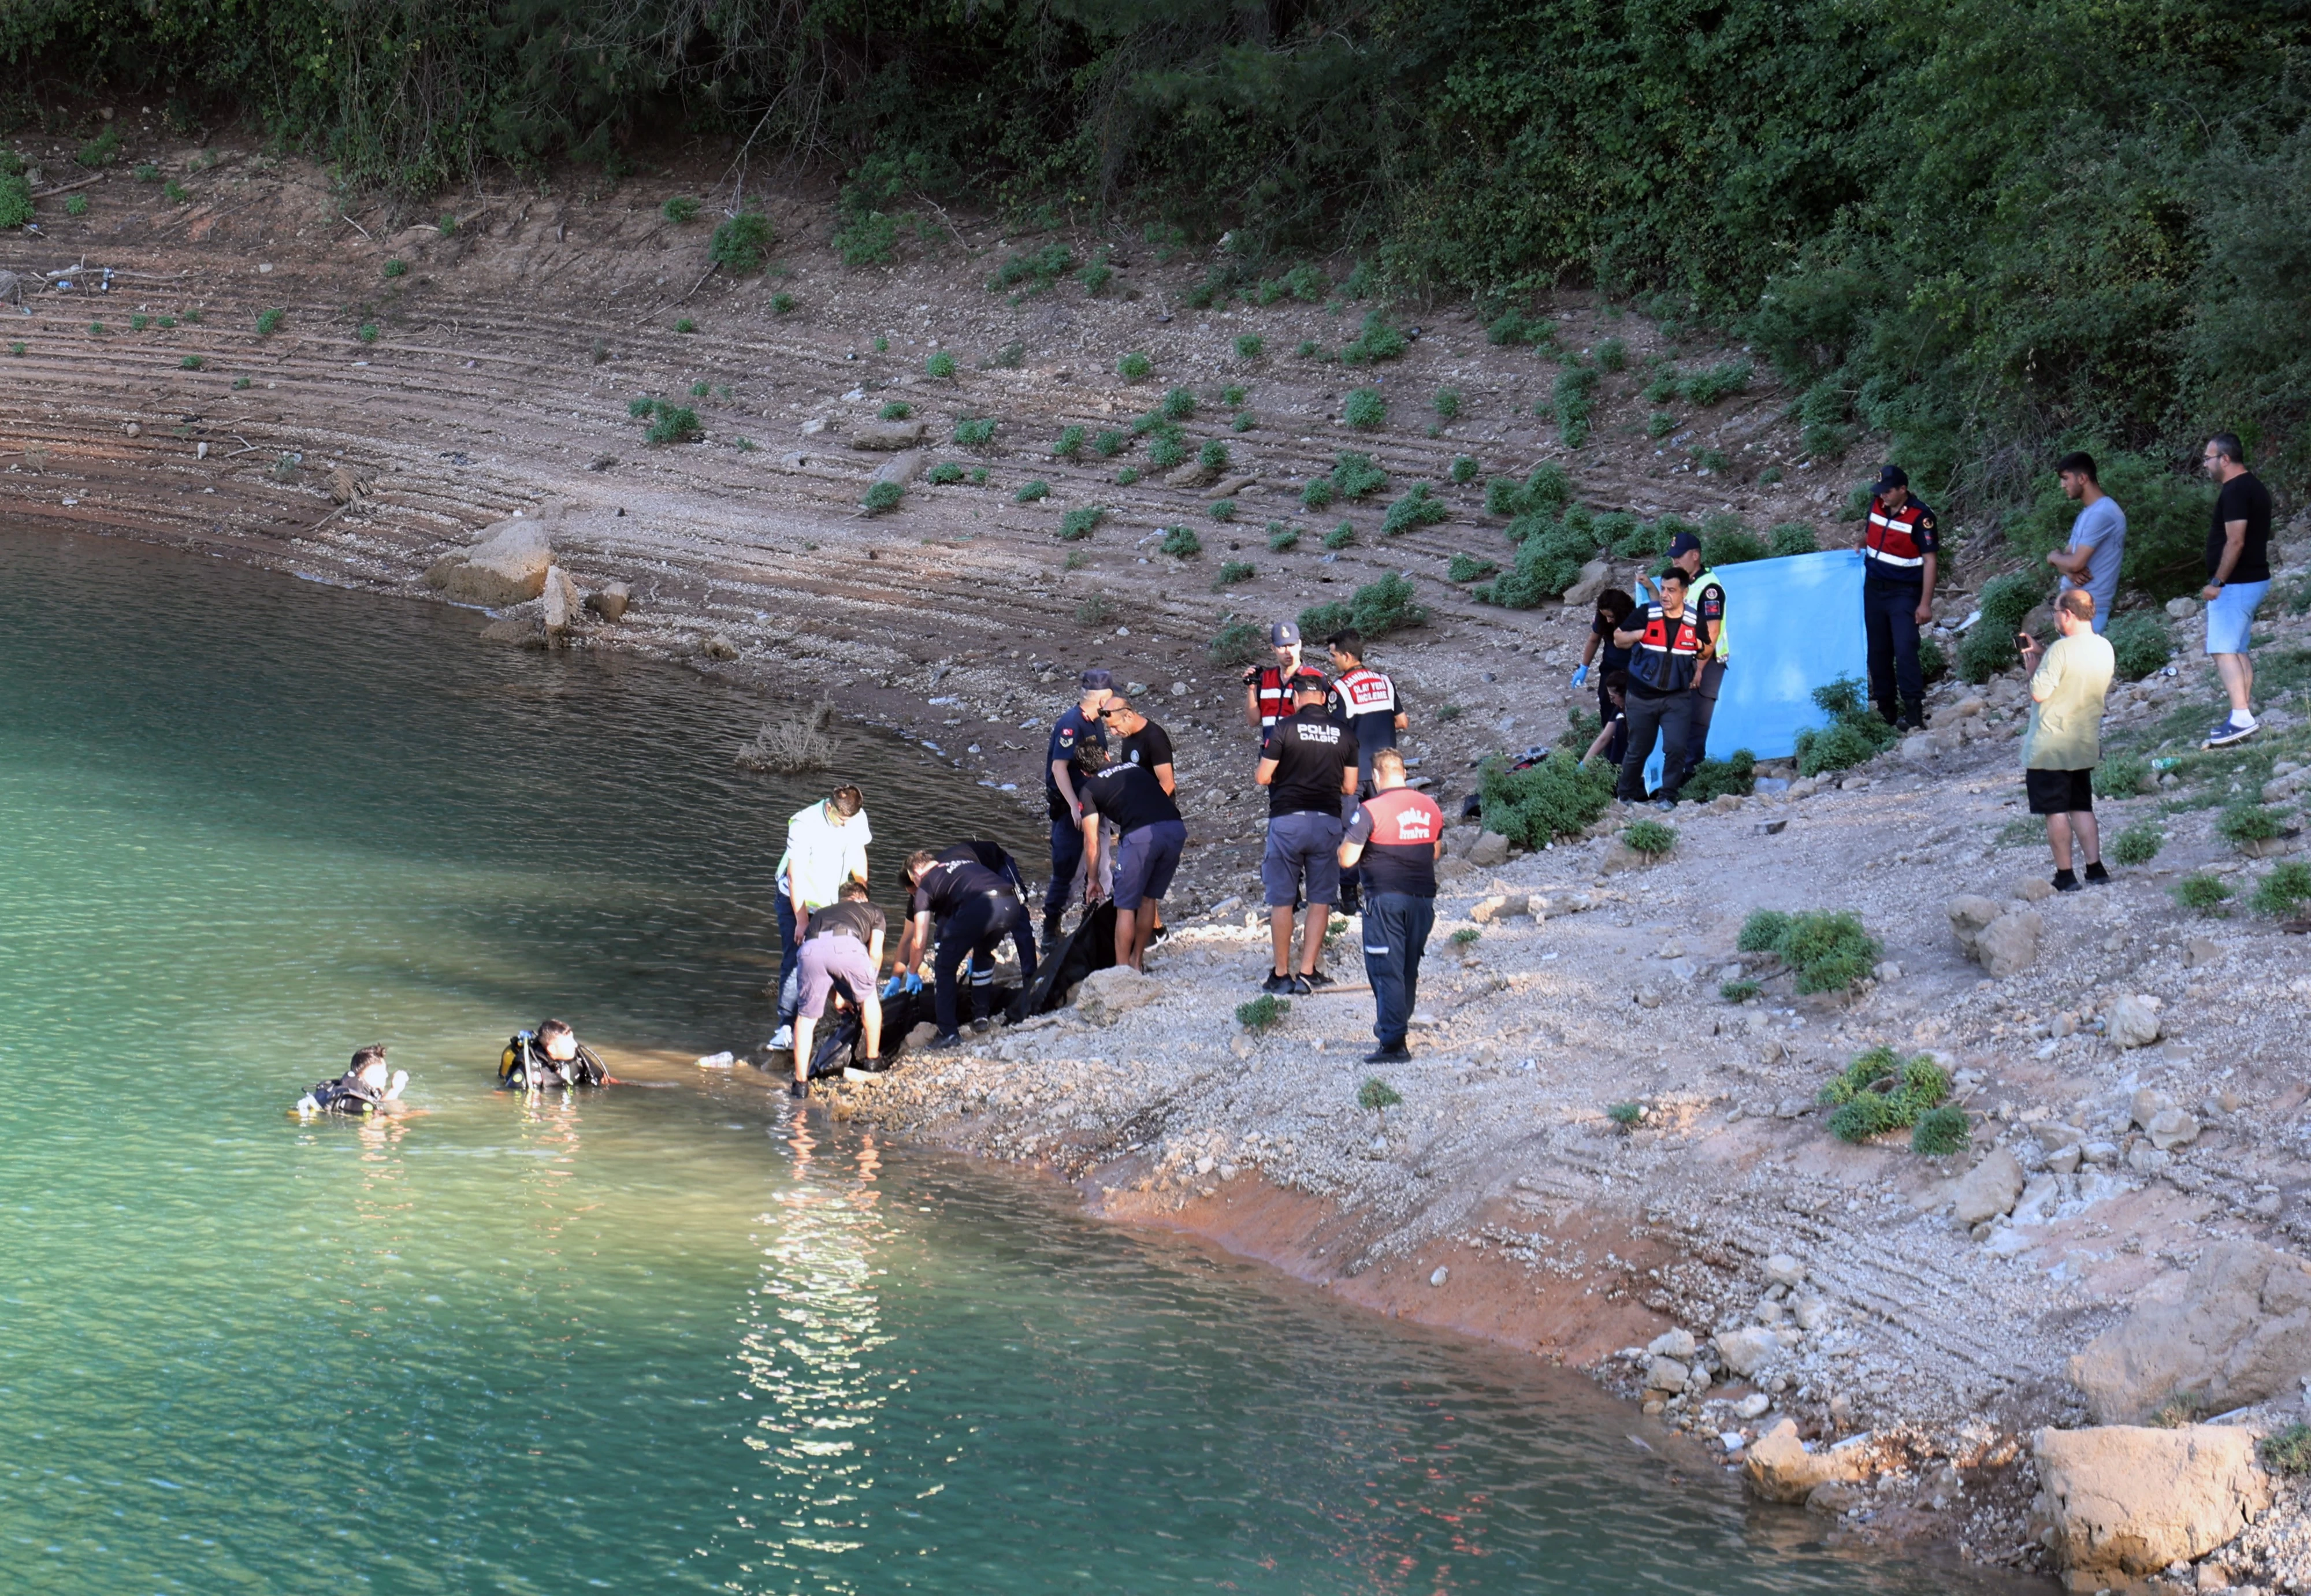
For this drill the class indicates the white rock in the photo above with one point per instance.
(1754, 1405)
(2132, 1021)
(1106, 994)
(2173, 1128)
(1441, 1275)
(1672, 1343)
(2133, 1500)
(1781, 1270)
(1666, 1373)
(1744, 1351)
(1989, 1188)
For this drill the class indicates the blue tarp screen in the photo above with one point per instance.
(1795, 625)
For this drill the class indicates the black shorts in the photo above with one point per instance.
(2060, 792)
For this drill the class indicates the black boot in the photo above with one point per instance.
(1914, 718)
(1054, 919)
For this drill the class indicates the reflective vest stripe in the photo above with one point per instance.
(1885, 559)
(1892, 541)
(1708, 580)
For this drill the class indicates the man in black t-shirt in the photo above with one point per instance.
(910, 959)
(1148, 746)
(1309, 767)
(1150, 836)
(975, 910)
(2238, 574)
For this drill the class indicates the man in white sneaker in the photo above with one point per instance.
(2238, 574)
(826, 846)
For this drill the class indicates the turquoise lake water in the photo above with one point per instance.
(672, 1338)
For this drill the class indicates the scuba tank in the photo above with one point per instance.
(525, 1066)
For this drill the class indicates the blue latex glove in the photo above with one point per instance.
(914, 981)
(891, 988)
(1581, 677)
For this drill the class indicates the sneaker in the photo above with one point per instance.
(1163, 933)
(1665, 804)
(1298, 986)
(781, 1042)
(2231, 732)
(946, 1042)
(1397, 1054)
(1279, 985)
(982, 1027)
(2064, 882)
(2097, 873)
(1316, 977)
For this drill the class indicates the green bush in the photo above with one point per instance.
(1941, 1132)
(679, 208)
(1649, 837)
(102, 150)
(191, 362)
(1109, 444)
(945, 473)
(1179, 405)
(2121, 776)
(1791, 537)
(269, 322)
(2005, 604)
(939, 363)
(741, 244)
(1126, 475)
(1134, 367)
(1416, 509)
(1377, 1097)
(2288, 1450)
(1377, 342)
(1377, 609)
(1029, 491)
(1281, 538)
(1882, 1091)
(2140, 645)
(1464, 471)
(1355, 477)
(2284, 893)
(1233, 571)
(686, 325)
(1237, 642)
(1248, 346)
(1317, 494)
(1855, 735)
(1628, 1116)
(15, 200)
(1077, 525)
(76, 204)
(1366, 409)
(1613, 355)
(1736, 774)
(1039, 270)
(1661, 424)
(1554, 799)
(1730, 544)
(1213, 456)
(1447, 403)
(975, 432)
(1739, 991)
(1720, 382)
(1181, 543)
(1467, 568)
(1245, 421)
(882, 496)
(2244, 824)
(1827, 951)
(2201, 893)
(782, 304)
(1263, 1013)
(1221, 509)
(1933, 661)
(675, 425)
(1166, 451)
(1573, 397)
(894, 410)
(2138, 844)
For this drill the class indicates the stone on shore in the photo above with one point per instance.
(1673, 1343)
(2009, 944)
(507, 566)
(1969, 915)
(1500, 906)
(2131, 1022)
(1989, 1188)
(611, 602)
(1489, 850)
(2132, 1501)
(1744, 1351)
(1594, 578)
(2239, 1331)
(563, 601)
(1107, 995)
(1781, 1470)
(886, 434)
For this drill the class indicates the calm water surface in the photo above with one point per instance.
(667, 1338)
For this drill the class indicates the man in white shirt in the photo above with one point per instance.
(826, 846)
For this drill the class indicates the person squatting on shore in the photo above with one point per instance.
(973, 909)
(844, 945)
(826, 846)
(1396, 837)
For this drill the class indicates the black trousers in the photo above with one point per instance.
(976, 930)
(1705, 708)
(1667, 717)
(1891, 613)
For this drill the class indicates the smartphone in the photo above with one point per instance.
(2024, 641)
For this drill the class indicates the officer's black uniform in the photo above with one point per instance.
(1895, 548)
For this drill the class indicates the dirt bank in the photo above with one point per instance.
(1499, 1197)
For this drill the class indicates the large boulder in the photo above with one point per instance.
(564, 600)
(1744, 1351)
(1107, 994)
(1490, 849)
(2010, 943)
(2239, 1331)
(1594, 578)
(886, 434)
(1989, 1188)
(2132, 1501)
(1781, 1470)
(2132, 1021)
(507, 566)
(1969, 915)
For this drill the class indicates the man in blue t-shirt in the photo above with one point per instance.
(2097, 538)
(1078, 726)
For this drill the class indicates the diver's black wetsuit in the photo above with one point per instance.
(524, 1065)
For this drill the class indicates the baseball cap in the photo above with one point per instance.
(1309, 679)
(1684, 543)
(1095, 680)
(1892, 476)
(1283, 634)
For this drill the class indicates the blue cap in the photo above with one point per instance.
(1684, 543)
(1095, 680)
(1892, 476)
(1284, 634)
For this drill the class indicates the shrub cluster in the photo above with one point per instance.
(1882, 1091)
(1237, 642)
(741, 244)
(1988, 647)
(1376, 343)
(1377, 609)
(1736, 774)
(1416, 509)
(2140, 645)
(1855, 735)
(1827, 951)
(1553, 798)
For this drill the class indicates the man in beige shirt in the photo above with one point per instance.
(2063, 744)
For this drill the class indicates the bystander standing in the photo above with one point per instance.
(1078, 726)
(1309, 767)
(1149, 838)
(826, 846)
(2062, 744)
(2097, 544)
(1364, 704)
(1901, 543)
(2238, 574)
(1268, 688)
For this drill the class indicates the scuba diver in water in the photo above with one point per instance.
(365, 1088)
(550, 1056)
